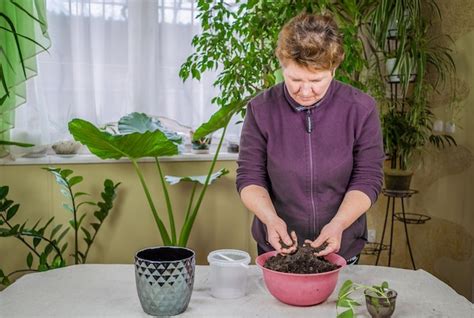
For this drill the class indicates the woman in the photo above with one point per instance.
(311, 155)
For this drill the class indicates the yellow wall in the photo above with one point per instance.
(221, 223)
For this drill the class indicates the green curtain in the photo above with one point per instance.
(23, 35)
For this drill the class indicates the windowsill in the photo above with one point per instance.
(89, 158)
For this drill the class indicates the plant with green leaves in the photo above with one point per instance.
(401, 29)
(45, 240)
(31, 237)
(202, 143)
(66, 180)
(139, 136)
(349, 304)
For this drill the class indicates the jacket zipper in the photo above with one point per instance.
(309, 129)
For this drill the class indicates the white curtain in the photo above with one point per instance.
(112, 57)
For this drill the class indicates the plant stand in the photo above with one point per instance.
(373, 248)
(405, 218)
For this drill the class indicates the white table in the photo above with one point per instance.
(109, 291)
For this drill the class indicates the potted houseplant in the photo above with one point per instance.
(164, 275)
(43, 239)
(201, 145)
(380, 305)
(401, 139)
(393, 69)
(407, 121)
(380, 300)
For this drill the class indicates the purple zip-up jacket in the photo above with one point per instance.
(308, 158)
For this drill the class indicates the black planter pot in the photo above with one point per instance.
(398, 180)
(379, 306)
(164, 277)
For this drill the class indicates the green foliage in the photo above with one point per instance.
(45, 240)
(353, 17)
(402, 136)
(199, 179)
(140, 136)
(141, 123)
(67, 181)
(150, 143)
(407, 122)
(348, 304)
(202, 143)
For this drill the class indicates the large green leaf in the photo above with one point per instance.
(201, 179)
(220, 118)
(140, 122)
(134, 145)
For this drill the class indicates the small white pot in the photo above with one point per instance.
(438, 126)
(450, 127)
(394, 72)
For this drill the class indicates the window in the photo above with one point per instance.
(112, 57)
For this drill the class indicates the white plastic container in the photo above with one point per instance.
(228, 273)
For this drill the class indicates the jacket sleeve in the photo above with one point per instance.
(367, 174)
(252, 162)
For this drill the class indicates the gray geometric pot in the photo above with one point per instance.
(164, 278)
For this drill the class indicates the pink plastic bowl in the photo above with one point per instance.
(301, 289)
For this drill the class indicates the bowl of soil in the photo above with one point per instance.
(302, 278)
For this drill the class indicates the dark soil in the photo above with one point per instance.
(303, 261)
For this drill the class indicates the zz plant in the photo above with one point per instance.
(66, 180)
(44, 241)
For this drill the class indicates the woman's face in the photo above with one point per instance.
(306, 86)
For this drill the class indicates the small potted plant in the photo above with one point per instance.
(395, 67)
(380, 300)
(401, 140)
(380, 305)
(201, 145)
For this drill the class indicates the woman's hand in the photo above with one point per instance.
(277, 232)
(332, 234)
